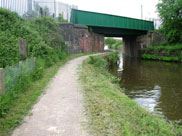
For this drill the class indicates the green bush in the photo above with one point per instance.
(61, 19)
(148, 56)
(113, 58)
(171, 15)
(43, 37)
(49, 30)
(9, 53)
(44, 41)
(39, 69)
(12, 28)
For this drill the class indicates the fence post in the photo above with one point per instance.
(2, 89)
(23, 48)
(34, 59)
(21, 65)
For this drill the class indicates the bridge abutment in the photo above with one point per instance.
(80, 40)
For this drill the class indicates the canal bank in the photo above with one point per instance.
(110, 111)
(154, 85)
(169, 53)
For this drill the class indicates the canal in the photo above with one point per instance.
(155, 85)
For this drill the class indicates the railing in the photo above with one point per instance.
(19, 6)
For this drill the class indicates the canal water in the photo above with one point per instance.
(155, 85)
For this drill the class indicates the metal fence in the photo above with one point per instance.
(10, 76)
(19, 6)
(33, 8)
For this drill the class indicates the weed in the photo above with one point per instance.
(97, 62)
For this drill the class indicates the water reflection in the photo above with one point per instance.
(156, 86)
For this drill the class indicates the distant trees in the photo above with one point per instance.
(170, 12)
(113, 43)
(61, 19)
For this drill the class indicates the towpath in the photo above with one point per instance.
(59, 112)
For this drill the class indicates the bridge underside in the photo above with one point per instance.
(116, 32)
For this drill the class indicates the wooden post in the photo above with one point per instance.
(2, 89)
(34, 59)
(20, 64)
(23, 48)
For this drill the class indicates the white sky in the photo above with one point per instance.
(128, 8)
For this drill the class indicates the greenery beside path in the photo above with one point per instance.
(43, 41)
(42, 35)
(20, 105)
(110, 112)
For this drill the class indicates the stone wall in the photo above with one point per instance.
(151, 38)
(80, 40)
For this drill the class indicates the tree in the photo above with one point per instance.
(46, 11)
(170, 12)
(109, 41)
(61, 19)
(113, 43)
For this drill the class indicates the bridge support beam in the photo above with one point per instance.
(130, 47)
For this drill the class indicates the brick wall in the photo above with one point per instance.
(79, 39)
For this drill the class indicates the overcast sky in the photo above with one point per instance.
(129, 8)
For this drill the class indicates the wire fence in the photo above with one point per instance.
(11, 74)
(33, 8)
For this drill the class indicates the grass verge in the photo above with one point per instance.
(111, 113)
(26, 100)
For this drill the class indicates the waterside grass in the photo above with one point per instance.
(111, 113)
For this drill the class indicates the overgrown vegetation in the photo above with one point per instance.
(44, 41)
(113, 43)
(113, 58)
(112, 113)
(41, 34)
(170, 12)
(61, 19)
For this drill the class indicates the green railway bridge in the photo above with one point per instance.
(114, 26)
(111, 25)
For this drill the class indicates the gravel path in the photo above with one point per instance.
(59, 112)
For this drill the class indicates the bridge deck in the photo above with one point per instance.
(122, 25)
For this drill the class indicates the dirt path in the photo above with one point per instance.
(59, 112)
